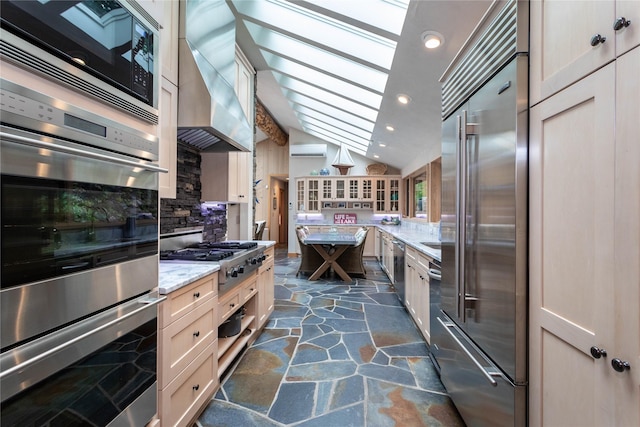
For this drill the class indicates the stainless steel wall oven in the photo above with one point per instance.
(79, 230)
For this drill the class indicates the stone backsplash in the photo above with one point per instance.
(184, 211)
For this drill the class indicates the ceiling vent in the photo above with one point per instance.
(308, 150)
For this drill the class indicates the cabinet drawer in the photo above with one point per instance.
(185, 396)
(228, 305)
(185, 299)
(249, 290)
(184, 339)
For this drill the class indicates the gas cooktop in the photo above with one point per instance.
(196, 254)
(230, 244)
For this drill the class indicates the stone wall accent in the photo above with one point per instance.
(184, 212)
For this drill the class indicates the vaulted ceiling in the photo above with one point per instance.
(334, 68)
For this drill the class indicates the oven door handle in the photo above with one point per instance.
(75, 151)
(146, 303)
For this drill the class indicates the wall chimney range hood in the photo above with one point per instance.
(210, 117)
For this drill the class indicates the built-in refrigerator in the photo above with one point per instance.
(479, 337)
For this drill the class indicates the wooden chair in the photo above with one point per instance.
(310, 259)
(351, 259)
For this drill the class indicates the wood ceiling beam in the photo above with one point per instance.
(267, 125)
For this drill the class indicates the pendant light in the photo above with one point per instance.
(343, 161)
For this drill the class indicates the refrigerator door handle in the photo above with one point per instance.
(488, 372)
(461, 213)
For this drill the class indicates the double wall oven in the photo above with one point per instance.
(79, 216)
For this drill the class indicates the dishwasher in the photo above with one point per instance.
(398, 269)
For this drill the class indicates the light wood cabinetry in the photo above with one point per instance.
(168, 149)
(356, 192)
(244, 84)
(561, 33)
(266, 274)
(168, 105)
(584, 202)
(228, 304)
(387, 195)
(187, 344)
(225, 177)
(256, 295)
(417, 290)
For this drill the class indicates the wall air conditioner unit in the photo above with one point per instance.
(308, 150)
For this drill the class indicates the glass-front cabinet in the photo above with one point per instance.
(387, 195)
(359, 189)
(380, 193)
(380, 203)
(307, 195)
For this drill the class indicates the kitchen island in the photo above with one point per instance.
(192, 357)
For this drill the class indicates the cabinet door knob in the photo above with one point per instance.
(597, 39)
(196, 387)
(196, 334)
(620, 365)
(597, 353)
(621, 23)
(196, 295)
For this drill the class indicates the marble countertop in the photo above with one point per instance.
(176, 274)
(413, 239)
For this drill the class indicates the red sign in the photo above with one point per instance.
(345, 218)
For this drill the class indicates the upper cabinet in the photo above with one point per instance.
(168, 105)
(244, 85)
(584, 318)
(382, 194)
(387, 195)
(566, 45)
(169, 40)
(225, 177)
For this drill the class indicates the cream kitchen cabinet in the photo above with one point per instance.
(417, 290)
(359, 189)
(244, 85)
(169, 34)
(187, 343)
(387, 195)
(308, 195)
(584, 251)
(562, 34)
(266, 291)
(168, 148)
(242, 295)
(225, 177)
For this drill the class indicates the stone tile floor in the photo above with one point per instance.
(333, 354)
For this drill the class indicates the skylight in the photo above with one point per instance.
(331, 59)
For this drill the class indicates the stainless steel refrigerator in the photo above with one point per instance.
(479, 335)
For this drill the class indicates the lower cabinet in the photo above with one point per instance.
(191, 357)
(266, 290)
(187, 345)
(417, 290)
(242, 297)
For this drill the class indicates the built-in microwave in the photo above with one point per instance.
(93, 46)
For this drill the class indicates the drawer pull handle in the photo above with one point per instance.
(196, 334)
(232, 305)
(196, 387)
(196, 295)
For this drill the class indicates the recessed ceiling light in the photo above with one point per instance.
(432, 39)
(375, 156)
(382, 144)
(390, 128)
(404, 99)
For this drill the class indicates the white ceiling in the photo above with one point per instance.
(415, 71)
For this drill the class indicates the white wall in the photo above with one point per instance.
(302, 166)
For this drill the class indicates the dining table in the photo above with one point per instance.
(330, 246)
